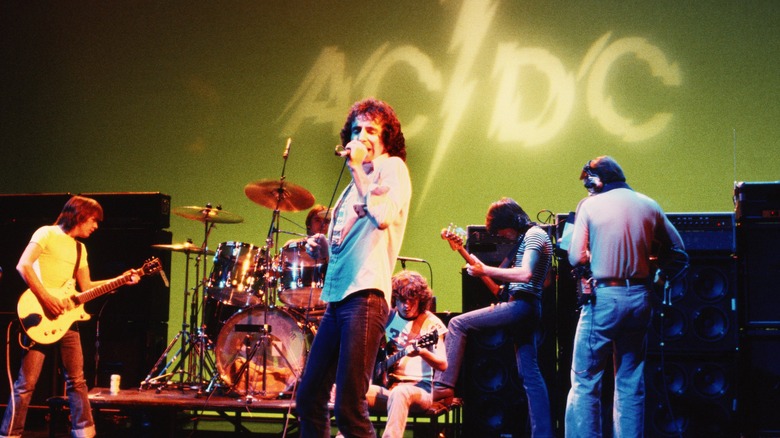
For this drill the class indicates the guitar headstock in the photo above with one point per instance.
(151, 266)
(427, 339)
(454, 235)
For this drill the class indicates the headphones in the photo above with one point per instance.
(592, 181)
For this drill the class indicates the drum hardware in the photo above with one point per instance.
(278, 195)
(261, 352)
(191, 358)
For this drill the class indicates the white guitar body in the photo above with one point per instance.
(44, 330)
(38, 326)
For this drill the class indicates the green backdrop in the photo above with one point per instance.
(497, 98)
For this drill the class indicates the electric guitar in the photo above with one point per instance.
(44, 330)
(383, 366)
(455, 237)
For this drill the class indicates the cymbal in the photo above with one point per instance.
(289, 197)
(208, 214)
(185, 247)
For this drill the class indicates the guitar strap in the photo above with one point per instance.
(512, 254)
(414, 333)
(78, 259)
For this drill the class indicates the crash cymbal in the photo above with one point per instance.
(208, 214)
(282, 195)
(186, 247)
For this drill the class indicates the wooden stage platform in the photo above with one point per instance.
(177, 412)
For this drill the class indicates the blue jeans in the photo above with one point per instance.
(523, 316)
(76, 387)
(343, 352)
(614, 327)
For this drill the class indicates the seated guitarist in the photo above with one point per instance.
(524, 271)
(53, 257)
(411, 377)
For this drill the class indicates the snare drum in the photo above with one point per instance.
(237, 274)
(302, 277)
(281, 355)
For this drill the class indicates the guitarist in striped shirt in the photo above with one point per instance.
(524, 273)
(51, 259)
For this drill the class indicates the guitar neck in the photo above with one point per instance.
(491, 285)
(95, 292)
(390, 361)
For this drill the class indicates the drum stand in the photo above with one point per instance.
(194, 359)
(264, 341)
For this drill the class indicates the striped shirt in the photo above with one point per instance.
(535, 239)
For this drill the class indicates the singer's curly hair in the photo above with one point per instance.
(412, 285)
(378, 111)
(78, 210)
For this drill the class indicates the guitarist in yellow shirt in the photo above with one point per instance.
(50, 260)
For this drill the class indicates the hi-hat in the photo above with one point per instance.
(186, 247)
(208, 214)
(283, 196)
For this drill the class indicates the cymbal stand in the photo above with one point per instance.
(191, 356)
(201, 344)
(183, 334)
(265, 330)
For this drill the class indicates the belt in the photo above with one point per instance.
(625, 282)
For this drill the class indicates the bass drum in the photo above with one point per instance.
(284, 350)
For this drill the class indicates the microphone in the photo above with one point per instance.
(287, 148)
(411, 259)
(341, 153)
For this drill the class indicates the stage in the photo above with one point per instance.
(176, 412)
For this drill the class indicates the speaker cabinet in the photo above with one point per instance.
(495, 404)
(689, 396)
(702, 316)
(127, 348)
(114, 251)
(761, 382)
(757, 245)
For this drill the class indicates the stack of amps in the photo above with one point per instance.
(758, 241)
(692, 362)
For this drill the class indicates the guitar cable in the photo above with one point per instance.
(12, 403)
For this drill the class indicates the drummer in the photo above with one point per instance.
(318, 220)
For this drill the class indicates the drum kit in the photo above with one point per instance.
(238, 340)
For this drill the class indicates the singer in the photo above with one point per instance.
(361, 247)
